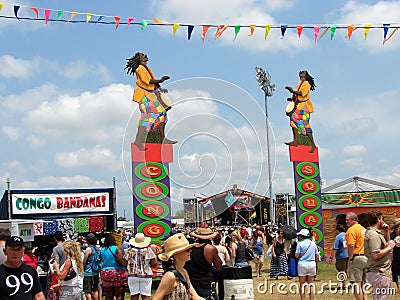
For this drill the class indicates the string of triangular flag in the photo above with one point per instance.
(73, 17)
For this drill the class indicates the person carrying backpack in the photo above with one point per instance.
(91, 272)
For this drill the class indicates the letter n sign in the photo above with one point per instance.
(151, 191)
(308, 192)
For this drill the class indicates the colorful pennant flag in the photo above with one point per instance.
(316, 32)
(252, 27)
(130, 19)
(220, 31)
(99, 19)
(59, 14)
(299, 30)
(117, 20)
(333, 29)
(88, 17)
(16, 9)
(190, 30)
(175, 27)
(203, 35)
(73, 15)
(253, 214)
(350, 29)
(367, 27)
(267, 29)
(1, 6)
(46, 16)
(323, 33)
(385, 30)
(393, 32)
(145, 23)
(237, 29)
(157, 21)
(283, 30)
(36, 11)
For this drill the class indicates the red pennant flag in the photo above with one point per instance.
(130, 19)
(299, 30)
(203, 35)
(117, 19)
(36, 11)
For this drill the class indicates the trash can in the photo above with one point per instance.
(238, 283)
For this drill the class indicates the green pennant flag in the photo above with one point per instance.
(333, 29)
(144, 23)
(60, 13)
(237, 29)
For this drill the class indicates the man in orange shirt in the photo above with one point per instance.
(357, 260)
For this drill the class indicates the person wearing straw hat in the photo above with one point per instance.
(203, 258)
(175, 284)
(140, 260)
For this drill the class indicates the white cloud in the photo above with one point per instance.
(35, 142)
(12, 133)
(18, 68)
(53, 182)
(96, 158)
(354, 150)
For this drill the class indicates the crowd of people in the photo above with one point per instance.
(193, 261)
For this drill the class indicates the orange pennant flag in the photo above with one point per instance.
(72, 16)
(157, 21)
(203, 35)
(36, 11)
(267, 29)
(117, 20)
(350, 29)
(367, 27)
(299, 30)
(88, 17)
(252, 27)
(175, 27)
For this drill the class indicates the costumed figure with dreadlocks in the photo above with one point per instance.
(147, 94)
(300, 108)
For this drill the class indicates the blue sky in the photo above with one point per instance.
(67, 118)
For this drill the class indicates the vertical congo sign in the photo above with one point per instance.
(308, 192)
(151, 191)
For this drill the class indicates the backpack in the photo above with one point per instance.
(97, 262)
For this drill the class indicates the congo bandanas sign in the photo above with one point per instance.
(151, 191)
(308, 192)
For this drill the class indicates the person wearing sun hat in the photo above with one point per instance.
(141, 259)
(203, 258)
(175, 284)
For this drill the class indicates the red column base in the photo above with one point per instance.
(302, 153)
(153, 153)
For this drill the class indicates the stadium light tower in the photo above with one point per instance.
(264, 81)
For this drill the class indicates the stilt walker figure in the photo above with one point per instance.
(300, 108)
(152, 103)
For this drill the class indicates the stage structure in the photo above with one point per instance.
(151, 190)
(308, 191)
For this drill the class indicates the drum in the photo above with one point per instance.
(290, 108)
(165, 102)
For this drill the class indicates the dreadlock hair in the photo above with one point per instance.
(310, 80)
(132, 64)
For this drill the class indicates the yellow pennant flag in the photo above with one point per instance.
(157, 21)
(252, 27)
(267, 29)
(72, 16)
(367, 27)
(175, 27)
(1, 5)
(88, 17)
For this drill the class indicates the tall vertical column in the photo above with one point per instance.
(151, 190)
(307, 182)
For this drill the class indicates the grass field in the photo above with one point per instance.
(266, 288)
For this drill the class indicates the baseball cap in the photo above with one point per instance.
(304, 232)
(14, 241)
